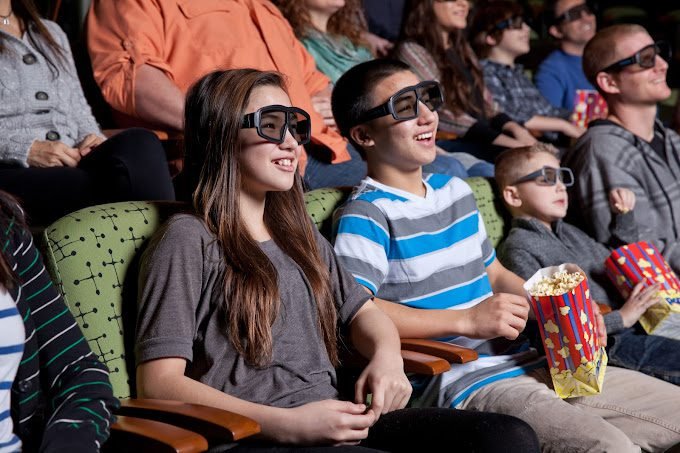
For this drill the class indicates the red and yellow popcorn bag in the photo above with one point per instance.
(560, 298)
(589, 105)
(642, 262)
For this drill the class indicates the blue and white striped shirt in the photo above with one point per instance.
(11, 350)
(428, 252)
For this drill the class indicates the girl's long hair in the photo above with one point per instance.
(38, 35)
(349, 21)
(214, 111)
(10, 217)
(420, 25)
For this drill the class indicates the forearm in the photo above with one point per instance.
(157, 99)
(182, 388)
(421, 323)
(546, 124)
(371, 331)
(506, 141)
(504, 281)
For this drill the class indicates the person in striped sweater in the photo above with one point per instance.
(61, 398)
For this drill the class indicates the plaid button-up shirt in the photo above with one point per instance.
(516, 94)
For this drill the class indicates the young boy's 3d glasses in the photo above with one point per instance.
(548, 176)
(513, 23)
(403, 105)
(273, 121)
(573, 14)
(645, 57)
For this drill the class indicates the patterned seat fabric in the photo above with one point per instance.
(89, 253)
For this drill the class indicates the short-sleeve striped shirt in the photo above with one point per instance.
(427, 252)
(11, 349)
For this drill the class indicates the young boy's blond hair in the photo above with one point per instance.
(511, 164)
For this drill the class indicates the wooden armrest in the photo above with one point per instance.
(446, 351)
(604, 309)
(441, 135)
(137, 434)
(424, 364)
(414, 362)
(216, 425)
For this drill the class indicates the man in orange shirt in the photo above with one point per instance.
(146, 54)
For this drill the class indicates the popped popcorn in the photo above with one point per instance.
(560, 283)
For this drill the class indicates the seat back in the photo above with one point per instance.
(321, 203)
(92, 254)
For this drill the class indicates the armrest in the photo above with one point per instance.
(446, 351)
(441, 135)
(216, 425)
(136, 434)
(604, 309)
(424, 364)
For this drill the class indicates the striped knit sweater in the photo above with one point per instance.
(61, 397)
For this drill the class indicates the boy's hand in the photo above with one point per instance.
(621, 200)
(384, 378)
(599, 325)
(638, 302)
(501, 315)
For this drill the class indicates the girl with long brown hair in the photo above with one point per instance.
(433, 43)
(333, 31)
(53, 155)
(242, 303)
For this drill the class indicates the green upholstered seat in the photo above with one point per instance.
(89, 253)
(321, 203)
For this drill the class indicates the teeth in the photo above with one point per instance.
(284, 162)
(425, 136)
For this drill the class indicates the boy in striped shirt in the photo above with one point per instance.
(418, 244)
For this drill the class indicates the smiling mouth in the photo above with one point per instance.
(285, 163)
(423, 137)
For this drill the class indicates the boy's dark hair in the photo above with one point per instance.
(601, 50)
(509, 166)
(484, 22)
(353, 93)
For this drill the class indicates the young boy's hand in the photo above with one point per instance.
(638, 302)
(621, 200)
(501, 315)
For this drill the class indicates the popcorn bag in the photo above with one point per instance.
(642, 262)
(561, 301)
(589, 105)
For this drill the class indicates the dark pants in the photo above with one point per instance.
(128, 166)
(650, 354)
(430, 430)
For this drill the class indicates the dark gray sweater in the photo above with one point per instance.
(531, 246)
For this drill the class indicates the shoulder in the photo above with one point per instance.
(411, 48)
(603, 143)
(182, 231)
(55, 30)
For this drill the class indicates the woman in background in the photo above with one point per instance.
(53, 156)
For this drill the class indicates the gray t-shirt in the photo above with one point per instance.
(182, 314)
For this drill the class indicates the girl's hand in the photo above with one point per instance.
(621, 200)
(384, 378)
(327, 422)
(638, 302)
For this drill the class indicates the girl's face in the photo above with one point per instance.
(324, 6)
(451, 15)
(267, 166)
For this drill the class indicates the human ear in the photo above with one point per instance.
(361, 136)
(555, 32)
(511, 196)
(490, 41)
(607, 83)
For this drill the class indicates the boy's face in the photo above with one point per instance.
(546, 203)
(515, 41)
(578, 31)
(406, 144)
(637, 85)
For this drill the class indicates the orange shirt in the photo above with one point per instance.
(187, 39)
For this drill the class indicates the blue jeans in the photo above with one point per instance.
(323, 174)
(650, 354)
